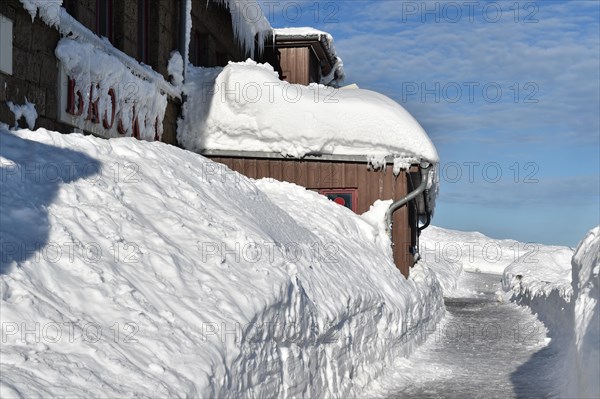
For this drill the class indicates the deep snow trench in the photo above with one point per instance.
(485, 347)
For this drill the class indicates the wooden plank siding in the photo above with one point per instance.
(295, 63)
(326, 175)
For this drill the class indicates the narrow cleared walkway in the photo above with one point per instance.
(483, 348)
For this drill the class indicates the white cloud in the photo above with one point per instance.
(555, 61)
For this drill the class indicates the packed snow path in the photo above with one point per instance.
(484, 347)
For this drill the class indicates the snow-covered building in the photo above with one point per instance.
(175, 71)
(114, 68)
(97, 66)
(354, 146)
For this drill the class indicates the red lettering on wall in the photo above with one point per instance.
(136, 125)
(93, 109)
(71, 109)
(121, 128)
(105, 120)
(76, 107)
(156, 137)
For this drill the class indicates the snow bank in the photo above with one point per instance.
(133, 268)
(447, 273)
(549, 270)
(245, 107)
(564, 293)
(586, 282)
(479, 253)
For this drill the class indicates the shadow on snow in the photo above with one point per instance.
(31, 175)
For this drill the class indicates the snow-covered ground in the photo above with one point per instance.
(132, 268)
(564, 293)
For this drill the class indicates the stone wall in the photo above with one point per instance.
(35, 67)
(212, 40)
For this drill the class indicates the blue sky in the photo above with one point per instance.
(508, 91)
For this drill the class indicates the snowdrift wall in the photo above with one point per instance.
(138, 269)
(564, 294)
(586, 268)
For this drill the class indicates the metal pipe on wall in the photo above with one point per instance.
(389, 215)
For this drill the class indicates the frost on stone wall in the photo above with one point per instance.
(26, 111)
(175, 69)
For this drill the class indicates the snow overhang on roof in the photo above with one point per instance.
(245, 107)
(321, 43)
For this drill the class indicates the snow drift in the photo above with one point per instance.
(139, 269)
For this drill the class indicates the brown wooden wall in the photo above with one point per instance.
(295, 64)
(321, 175)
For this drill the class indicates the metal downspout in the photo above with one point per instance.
(389, 215)
(427, 210)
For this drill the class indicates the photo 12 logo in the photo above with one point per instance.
(69, 252)
(454, 12)
(68, 332)
(489, 172)
(56, 172)
(470, 92)
(282, 13)
(472, 332)
(255, 252)
(268, 92)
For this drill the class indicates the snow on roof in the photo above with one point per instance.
(245, 107)
(308, 33)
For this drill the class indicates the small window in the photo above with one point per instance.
(143, 29)
(6, 45)
(345, 197)
(104, 18)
